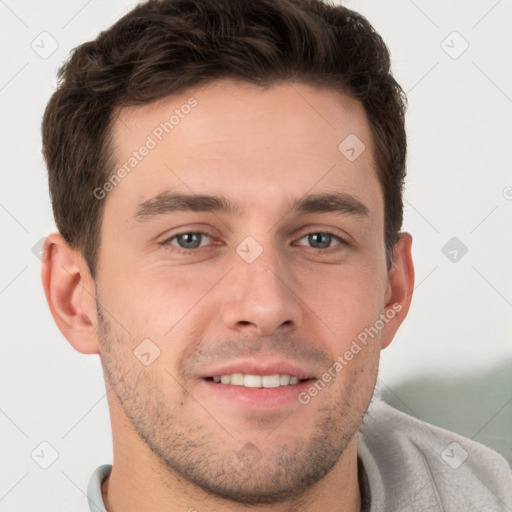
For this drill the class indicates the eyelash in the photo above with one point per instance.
(181, 250)
(341, 242)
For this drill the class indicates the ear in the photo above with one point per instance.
(70, 293)
(400, 288)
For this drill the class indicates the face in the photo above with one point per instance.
(243, 246)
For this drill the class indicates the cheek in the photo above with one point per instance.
(347, 300)
(157, 302)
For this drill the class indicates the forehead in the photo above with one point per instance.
(243, 140)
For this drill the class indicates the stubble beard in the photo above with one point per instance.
(201, 455)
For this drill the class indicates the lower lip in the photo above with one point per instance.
(258, 398)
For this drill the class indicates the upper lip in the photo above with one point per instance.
(253, 367)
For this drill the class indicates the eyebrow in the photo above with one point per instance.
(166, 203)
(336, 202)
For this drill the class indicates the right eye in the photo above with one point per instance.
(191, 240)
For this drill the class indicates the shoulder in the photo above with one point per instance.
(412, 464)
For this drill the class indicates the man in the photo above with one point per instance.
(226, 177)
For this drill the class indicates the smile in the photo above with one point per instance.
(256, 381)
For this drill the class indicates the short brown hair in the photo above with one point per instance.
(163, 47)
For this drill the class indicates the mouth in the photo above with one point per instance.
(256, 385)
(248, 380)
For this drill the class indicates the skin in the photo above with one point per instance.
(177, 443)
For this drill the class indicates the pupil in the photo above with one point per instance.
(320, 240)
(189, 240)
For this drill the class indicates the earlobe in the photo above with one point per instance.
(70, 293)
(400, 288)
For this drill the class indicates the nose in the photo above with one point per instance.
(260, 297)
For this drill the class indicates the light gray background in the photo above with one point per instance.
(450, 362)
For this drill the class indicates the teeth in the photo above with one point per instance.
(284, 380)
(270, 381)
(237, 379)
(252, 381)
(256, 381)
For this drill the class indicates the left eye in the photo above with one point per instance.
(189, 240)
(320, 240)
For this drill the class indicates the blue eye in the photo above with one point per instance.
(320, 240)
(188, 240)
